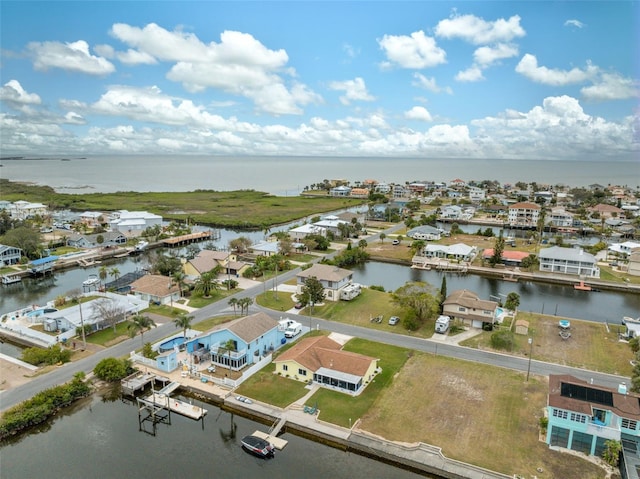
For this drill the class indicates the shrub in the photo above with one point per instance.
(52, 355)
(112, 369)
(544, 423)
(377, 288)
(148, 352)
(503, 340)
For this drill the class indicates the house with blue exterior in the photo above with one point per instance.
(238, 344)
(583, 416)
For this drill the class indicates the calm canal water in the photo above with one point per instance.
(102, 439)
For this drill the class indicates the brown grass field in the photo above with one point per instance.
(476, 414)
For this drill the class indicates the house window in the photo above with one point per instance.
(560, 414)
(578, 417)
(285, 367)
(629, 424)
(462, 309)
(302, 372)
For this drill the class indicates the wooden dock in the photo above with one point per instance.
(183, 408)
(138, 381)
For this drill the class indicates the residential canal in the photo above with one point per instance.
(102, 439)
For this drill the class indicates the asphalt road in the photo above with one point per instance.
(67, 371)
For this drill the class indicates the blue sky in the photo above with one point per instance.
(549, 80)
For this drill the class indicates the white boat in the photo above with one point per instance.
(628, 320)
(92, 280)
(141, 245)
(11, 278)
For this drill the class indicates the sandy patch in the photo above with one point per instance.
(13, 375)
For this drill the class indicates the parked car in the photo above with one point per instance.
(395, 242)
(298, 305)
(393, 320)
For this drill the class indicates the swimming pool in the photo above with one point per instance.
(40, 311)
(168, 345)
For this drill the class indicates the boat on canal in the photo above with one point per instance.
(92, 280)
(257, 446)
(11, 278)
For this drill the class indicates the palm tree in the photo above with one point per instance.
(178, 278)
(103, 273)
(142, 323)
(234, 302)
(206, 283)
(244, 304)
(183, 321)
(115, 272)
(382, 237)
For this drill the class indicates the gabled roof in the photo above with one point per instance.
(603, 208)
(323, 352)
(207, 259)
(567, 254)
(253, 326)
(325, 272)
(155, 285)
(469, 299)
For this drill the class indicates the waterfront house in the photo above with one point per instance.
(108, 238)
(239, 343)
(92, 218)
(583, 416)
(22, 210)
(468, 307)
(456, 252)
(156, 289)
(508, 257)
(206, 260)
(305, 230)
(524, 214)
(633, 267)
(476, 194)
(9, 255)
(133, 223)
(452, 212)
(568, 261)
(425, 232)
(332, 278)
(331, 223)
(359, 192)
(340, 191)
(321, 360)
(560, 218)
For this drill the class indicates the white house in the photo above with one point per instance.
(21, 210)
(307, 230)
(624, 249)
(458, 251)
(9, 255)
(451, 212)
(425, 232)
(560, 217)
(568, 261)
(524, 214)
(133, 223)
(333, 279)
(476, 194)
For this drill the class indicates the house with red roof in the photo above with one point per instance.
(321, 360)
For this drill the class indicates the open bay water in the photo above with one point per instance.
(101, 438)
(287, 176)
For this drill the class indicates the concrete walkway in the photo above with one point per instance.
(456, 338)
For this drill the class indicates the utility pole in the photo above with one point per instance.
(530, 341)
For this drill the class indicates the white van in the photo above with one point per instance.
(442, 324)
(293, 329)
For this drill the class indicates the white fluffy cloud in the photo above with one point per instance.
(418, 113)
(528, 67)
(488, 55)
(73, 56)
(471, 74)
(416, 51)
(239, 64)
(478, 31)
(13, 93)
(611, 86)
(355, 90)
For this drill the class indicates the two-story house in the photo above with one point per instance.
(560, 218)
(133, 223)
(467, 306)
(568, 261)
(583, 416)
(239, 343)
(22, 210)
(332, 278)
(97, 240)
(9, 255)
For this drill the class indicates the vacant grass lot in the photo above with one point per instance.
(591, 346)
(475, 413)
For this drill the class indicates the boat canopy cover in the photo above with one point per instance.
(48, 259)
